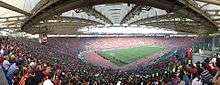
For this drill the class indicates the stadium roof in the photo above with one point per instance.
(67, 16)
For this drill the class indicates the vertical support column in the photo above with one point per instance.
(18, 18)
(213, 43)
(7, 19)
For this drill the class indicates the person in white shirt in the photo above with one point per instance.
(118, 83)
(196, 81)
(6, 63)
(48, 82)
(181, 82)
(2, 52)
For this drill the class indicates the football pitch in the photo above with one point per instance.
(123, 56)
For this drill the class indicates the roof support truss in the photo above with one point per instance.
(135, 10)
(216, 2)
(94, 12)
(182, 26)
(192, 10)
(167, 16)
(42, 4)
(13, 8)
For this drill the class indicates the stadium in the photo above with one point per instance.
(109, 42)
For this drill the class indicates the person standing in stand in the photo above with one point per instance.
(216, 78)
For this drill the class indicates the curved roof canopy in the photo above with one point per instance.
(66, 16)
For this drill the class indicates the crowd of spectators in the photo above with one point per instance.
(26, 62)
(109, 43)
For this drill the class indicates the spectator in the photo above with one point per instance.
(216, 78)
(6, 64)
(197, 80)
(2, 51)
(185, 76)
(12, 71)
(48, 76)
(60, 57)
(205, 75)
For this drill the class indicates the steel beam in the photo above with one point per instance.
(60, 6)
(216, 2)
(42, 4)
(213, 10)
(13, 8)
(189, 26)
(216, 19)
(194, 12)
(62, 24)
(11, 21)
(216, 14)
(203, 5)
(39, 5)
(12, 17)
(172, 22)
(74, 19)
(167, 16)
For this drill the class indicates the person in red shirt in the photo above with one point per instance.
(57, 81)
(193, 70)
(1, 59)
(46, 73)
(23, 79)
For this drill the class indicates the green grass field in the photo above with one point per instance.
(125, 56)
